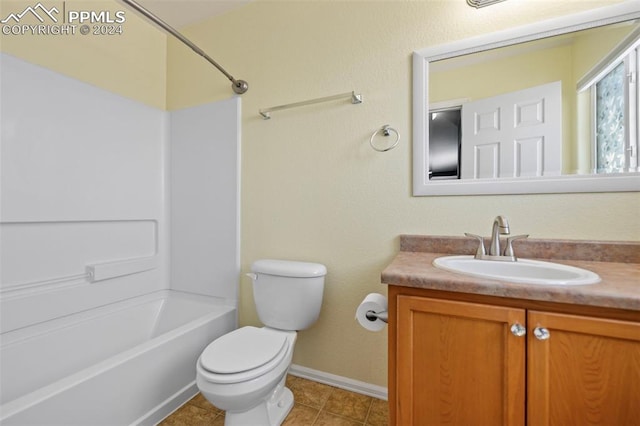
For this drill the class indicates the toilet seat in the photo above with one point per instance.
(235, 357)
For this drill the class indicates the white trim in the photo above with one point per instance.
(571, 183)
(593, 127)
(610, 182)
(341, 382)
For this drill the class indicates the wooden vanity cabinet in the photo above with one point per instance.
(464, 362)
(587, 372)
(457, 363)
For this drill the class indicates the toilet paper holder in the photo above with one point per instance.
(373, 316)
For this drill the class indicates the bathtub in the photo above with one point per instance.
(132, 362)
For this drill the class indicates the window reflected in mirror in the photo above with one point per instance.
(615, 110)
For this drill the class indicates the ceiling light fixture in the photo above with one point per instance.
(482, 3)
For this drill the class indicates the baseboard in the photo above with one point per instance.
(345, 383)
(174, 402)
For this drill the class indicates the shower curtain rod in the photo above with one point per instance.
(238, 86)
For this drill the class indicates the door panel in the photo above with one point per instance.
(524, 126)
(586, 373)
(458, 364)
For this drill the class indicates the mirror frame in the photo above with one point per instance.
(422, 186)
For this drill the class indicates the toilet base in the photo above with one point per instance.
(281, 409)
(269, 413)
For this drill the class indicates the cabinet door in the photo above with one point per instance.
(586, 371)
(458, 363)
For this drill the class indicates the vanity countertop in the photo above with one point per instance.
(617, 264)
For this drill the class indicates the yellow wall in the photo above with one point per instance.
(509, 74)
(313, 189)
(131, 64)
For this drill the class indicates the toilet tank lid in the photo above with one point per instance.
(288, 268)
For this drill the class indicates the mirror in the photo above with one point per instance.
(486, 70)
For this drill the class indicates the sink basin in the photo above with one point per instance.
(522, 271)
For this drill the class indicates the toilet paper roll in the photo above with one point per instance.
(373, 302)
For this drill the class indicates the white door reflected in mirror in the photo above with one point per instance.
(592, 56)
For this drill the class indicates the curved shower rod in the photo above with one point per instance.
(238, 86)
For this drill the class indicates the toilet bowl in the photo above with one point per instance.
(244, 372)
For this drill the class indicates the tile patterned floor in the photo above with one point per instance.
(316, 404)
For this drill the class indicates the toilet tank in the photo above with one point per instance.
(288, 294)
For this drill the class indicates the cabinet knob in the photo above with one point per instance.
(518, 330)
(541, 333)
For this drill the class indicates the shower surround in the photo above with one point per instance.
(115, 217)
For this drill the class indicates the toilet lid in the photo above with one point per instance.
(244, 349)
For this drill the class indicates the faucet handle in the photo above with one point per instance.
(481, 251)
(508, 251)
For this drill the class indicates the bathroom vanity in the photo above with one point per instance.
(475, 351)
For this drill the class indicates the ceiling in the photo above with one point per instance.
(180, 13)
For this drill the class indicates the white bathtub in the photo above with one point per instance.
(132, 362)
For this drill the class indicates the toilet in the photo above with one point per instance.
(244, 371)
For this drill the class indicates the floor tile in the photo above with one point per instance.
(348, 404)
(329, 419)
(200, 401)
(190, 415)
(301, 415)
(316, 404)
(378, 413)
(310, 393)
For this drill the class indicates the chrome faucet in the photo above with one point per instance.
(500, 227)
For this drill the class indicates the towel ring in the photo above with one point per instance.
(386, 131)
